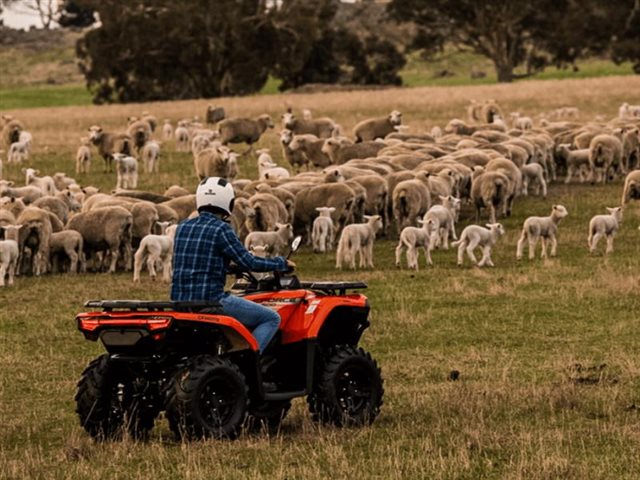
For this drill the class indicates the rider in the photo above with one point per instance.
(203, 247)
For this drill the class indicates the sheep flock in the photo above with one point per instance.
(339, 189)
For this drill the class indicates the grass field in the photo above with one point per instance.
(548, 351)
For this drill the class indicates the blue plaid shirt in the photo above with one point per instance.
(202, 249)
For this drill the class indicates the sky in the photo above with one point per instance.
(17, 17)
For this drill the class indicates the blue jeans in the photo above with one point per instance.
(262, 321)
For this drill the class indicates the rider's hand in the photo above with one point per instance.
(290, 265)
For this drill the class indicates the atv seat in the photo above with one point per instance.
(155, 306)
(333, 288)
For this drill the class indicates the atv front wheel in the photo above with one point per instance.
(107, 404)
(207, 399)
(349, 389)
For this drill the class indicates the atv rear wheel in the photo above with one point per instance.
(207, 399)
(107, 404)
(267, 415)
(349, 389)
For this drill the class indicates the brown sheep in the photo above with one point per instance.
(337, 195)
(109, 143)
(631, 190)
(372, 128)
(320, 127)
(247, 130)
(340, 153)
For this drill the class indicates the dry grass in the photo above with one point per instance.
(547, 353)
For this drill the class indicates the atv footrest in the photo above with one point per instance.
(154, 306)
(334, 288)
(278, 396)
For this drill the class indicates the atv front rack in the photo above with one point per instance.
(154, 306)
(333, 288)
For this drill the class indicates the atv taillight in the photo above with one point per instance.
(150, 323)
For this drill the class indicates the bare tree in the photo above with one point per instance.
(47, 10)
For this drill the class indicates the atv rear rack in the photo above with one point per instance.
(333, 288)
(154, 306)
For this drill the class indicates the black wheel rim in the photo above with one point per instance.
(354, 388)
(218, 398)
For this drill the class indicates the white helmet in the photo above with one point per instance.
(215, 192)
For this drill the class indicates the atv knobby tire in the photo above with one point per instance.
(207, 399)
(107, 405)
(348, 390)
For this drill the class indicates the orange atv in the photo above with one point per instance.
(204, 369)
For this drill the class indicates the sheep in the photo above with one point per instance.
(340, 152)
(239, 130)
(630, 149)
(9, 253)
(373, 128)
(46, 183)
(605, 154)
(155, 248)
(520, 122)
(296, 159)
(241, 211)
(109, 143)
(268, 211)
(410, 199)
(35, 235)
(151, 120)
(261, 251)
(201, 141)
(28, 194)
(323, 230)
(6, 218)
(545, 228)
(83, 156)
(183, 205)
(13, 205)
(477, 236)
(60, 204)
(311, 147)
(269, 170)
(577, 161)
(444, 220)
(413, 238)
(151, 156)
(626, 110)
(337, 195)
(140, 132)
(320, 127)
(489, 190)
(358, 238)
(604, 225)
(533, 173)
(513, 173)
(182, 136)
(126, 170)
(215, 162)
(175, 191)
(167, 130)
(214, 115)
(277, 241)
(10, 131)
(18, 152)
(106, 228)
(631, 188)
(71, 244)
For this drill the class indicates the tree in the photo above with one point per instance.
(626, 42)
(72, 14)
(161, 49)
(47, 10)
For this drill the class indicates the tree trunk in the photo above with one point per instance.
(504, 70)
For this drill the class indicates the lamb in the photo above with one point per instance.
(106, 228)
(604, 225)
(413, 238)
(533, 173)
(626, 110)
(182, 136)
(201, 141)
(46, 183)
(18, 152)
(443, 221)
(276, 241)
(296, 159)
(126, 170)
(373, 128)
(358, 238)
(323, 230)
(109, 143)
(267, 169)
(340, 152)
(605, 154)
(545, 228)
(577, 161)
(71, 244)
(9, 253)
(28, 194)
(521, 122)
(337, 195)
(239, 130)
(151, 156)
(156, 248)
(476, 236)
(167, 130)
(83, 156)
(631, 188)
(320, 127)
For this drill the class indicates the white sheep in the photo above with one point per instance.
(475, 236)
(156, 249)
(276, 241)
(83, 156)
(444, 218)
(167, 130)
(413, 238)
(604, 225)
(545, 228)
(18, 152)
(358, 238)
(627, 110)
(46, 183)
(9, 253)
(181, 135)
(126, 170)
(577, 162)
(533, 173)
(323, 230)
(151, 156)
